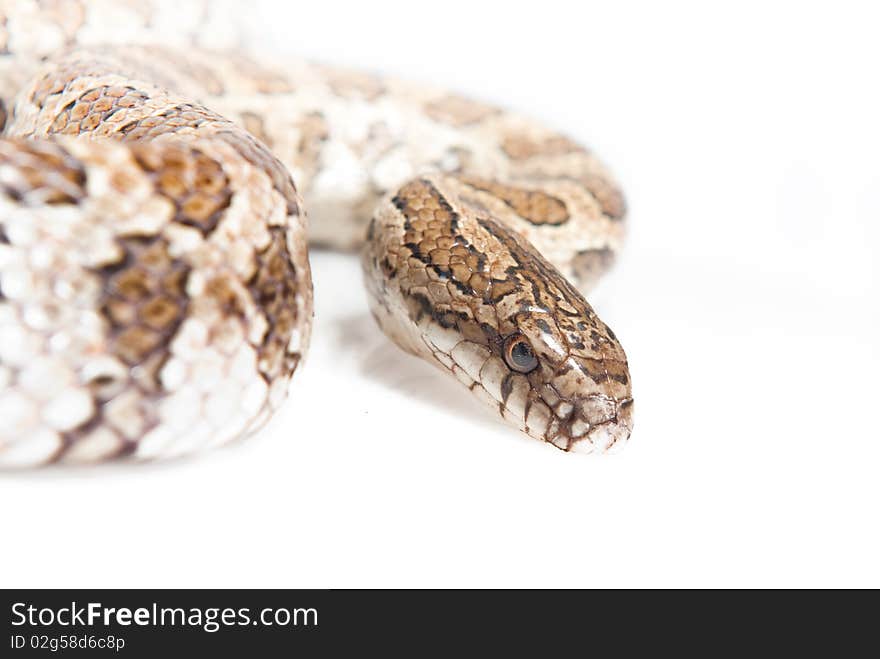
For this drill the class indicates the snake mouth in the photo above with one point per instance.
(598, 424)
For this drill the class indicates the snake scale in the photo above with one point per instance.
(155, 292)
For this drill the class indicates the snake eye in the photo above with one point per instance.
(519, 355)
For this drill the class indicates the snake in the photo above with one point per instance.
(159, 191)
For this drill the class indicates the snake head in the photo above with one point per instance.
(568, 381)
(557, 371)
(449, 282)
(559, 378)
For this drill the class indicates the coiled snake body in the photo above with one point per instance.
(155, 293)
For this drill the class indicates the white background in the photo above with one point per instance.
(747, 141)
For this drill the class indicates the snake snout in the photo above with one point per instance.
(603, 425)
(594, 423)
(596, 414)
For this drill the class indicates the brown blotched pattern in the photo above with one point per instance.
(536, 206)
(196, 185)
(171, 309)
(41, 174)
(144, 298)
(609, 196)
(354, 84)
(458, 111)
(520, 147)
(273, 288)
(136, 336)
(589, 264)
